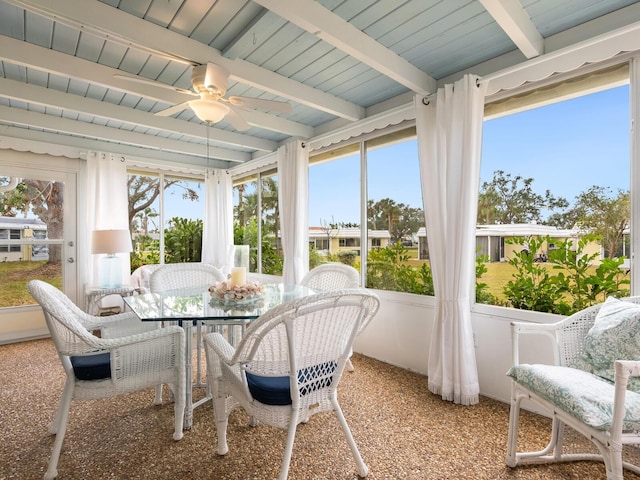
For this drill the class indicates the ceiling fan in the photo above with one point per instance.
(209, 82)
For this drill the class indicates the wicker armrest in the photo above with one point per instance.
(122, 325)
(97, 323)
(110, 343)
(223, 349)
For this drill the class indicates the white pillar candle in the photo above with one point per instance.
(238, 276)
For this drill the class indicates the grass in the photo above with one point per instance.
(497, 276)
(15, 275)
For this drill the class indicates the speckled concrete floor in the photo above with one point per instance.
(402, 430)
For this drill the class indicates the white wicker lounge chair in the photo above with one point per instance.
(330, 277)
(288, 365)
(109, 365)
(586, 388)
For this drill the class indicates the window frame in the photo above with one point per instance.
(350, 146)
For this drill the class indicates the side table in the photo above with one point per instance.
(94, 295)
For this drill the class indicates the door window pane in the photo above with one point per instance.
(31, 237)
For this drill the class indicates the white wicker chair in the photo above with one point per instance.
(330, 277)
(141, 276)
(173, 276)
(560, 391)
(288, 365)
(109, 365)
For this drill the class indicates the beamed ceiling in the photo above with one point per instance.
(93, 75)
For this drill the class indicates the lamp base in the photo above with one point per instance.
(110, 272)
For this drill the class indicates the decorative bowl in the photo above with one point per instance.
(224, 291)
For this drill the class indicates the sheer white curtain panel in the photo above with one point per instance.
(293, 193)
(449, 129)
(217, 237)
(107, 207)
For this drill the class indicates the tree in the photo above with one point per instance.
(488, 201)
(144, 190)
(602, 213)
(183, 240)
(270, 209)
(508, 199)
(398, 219)
(12, 200)
(45, 199)
(329, 229)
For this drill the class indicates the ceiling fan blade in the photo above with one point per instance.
(235, 119)
(261, 103)
(153, 83)
(167, 112)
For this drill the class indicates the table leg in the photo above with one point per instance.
(188, 408)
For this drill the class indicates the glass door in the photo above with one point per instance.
(37, 240)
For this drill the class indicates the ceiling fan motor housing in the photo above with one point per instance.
(211, 78)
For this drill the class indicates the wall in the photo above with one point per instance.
(19, 324)
(400, 335)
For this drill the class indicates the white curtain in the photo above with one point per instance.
(449, 129)
(293, 200)
(217, 236)
(107, 207)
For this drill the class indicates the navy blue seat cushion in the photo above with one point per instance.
(92, 367)
(275, 390)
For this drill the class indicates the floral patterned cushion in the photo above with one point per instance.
(615, 335)
(581, 394)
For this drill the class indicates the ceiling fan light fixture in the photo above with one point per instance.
(209, 111)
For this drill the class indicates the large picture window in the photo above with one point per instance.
(554, 201)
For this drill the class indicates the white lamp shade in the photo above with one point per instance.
(111, 241)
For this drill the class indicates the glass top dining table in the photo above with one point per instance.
(190, 306)
(199, 304)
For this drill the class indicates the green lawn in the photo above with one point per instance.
(15, 275)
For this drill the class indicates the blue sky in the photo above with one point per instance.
(566, 148)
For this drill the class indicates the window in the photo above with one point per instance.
(349, 242)
(13, 235)
(334, 204)
(556, 178)
(395, 216)
(394, 220)
(257, 221)
(166, 223)
(271, 246)
(319, 243)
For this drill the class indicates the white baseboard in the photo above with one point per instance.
(24, 335)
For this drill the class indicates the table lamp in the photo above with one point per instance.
(110, 242)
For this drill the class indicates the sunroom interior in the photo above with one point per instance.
(86, 84)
